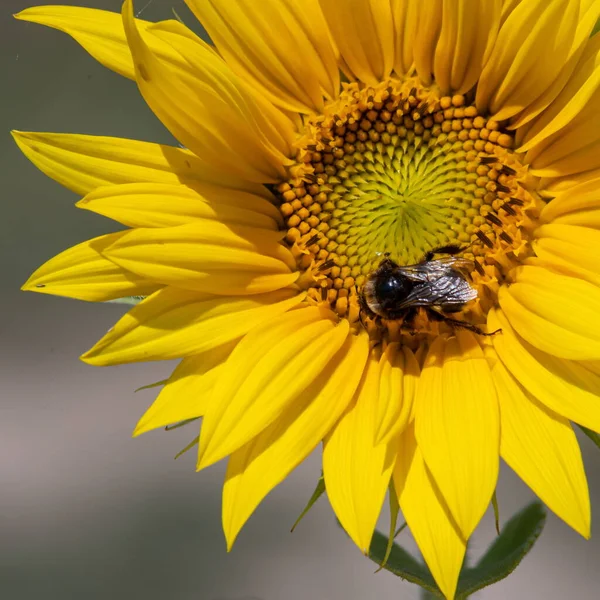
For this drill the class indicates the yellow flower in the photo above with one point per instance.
(319, 136)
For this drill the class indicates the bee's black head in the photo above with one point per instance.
(392, 289)
(385, 290)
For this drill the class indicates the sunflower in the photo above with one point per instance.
(319, 137)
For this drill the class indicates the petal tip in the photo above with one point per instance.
(29, 286)
(139, 429)
(229, 541)
(92, 357)
(207, 456)
(203, 461)
(20, 137)
(83, 203)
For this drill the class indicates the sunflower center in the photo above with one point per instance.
(397, 171)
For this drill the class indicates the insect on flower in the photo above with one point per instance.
(436, 285)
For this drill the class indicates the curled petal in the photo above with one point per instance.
(207, 107)
(100, 32)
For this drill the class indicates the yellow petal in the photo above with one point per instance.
(363, 31)
(399, 374)
(522, 65)
(566, 387)
(100, 32)
(574, 138)
(454, 41)
(406, 15)
(208, 256)
(568, 249)
(256, 468)
(507, 7)
(357, 471)
(267, 371)
(427, 516)
(280, 47)
(207, 108)
(84, 162)
(82, 272)
(551, 101)
(542, 449)
(187, 392)
(577, 204)
(579, 86)
(167, 205)
(456, 410)
(549, 187)
(270, 125)
(555, 313)
(572, 151)
(173, 323)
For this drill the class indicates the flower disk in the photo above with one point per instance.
(398, 170)
(379, 233)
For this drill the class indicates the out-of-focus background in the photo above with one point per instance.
(85, 510)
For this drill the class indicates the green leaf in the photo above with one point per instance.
(496, 512)
(595, 437)
(177, 16)
(319, 491)
(152, 385)
(394, 510)
(506, 552)
(401, 563)
(180, 424)
(131, 300)
(193, 443)
(400, 529)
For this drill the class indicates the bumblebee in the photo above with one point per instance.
(435, 285)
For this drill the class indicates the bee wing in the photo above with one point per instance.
(434, 269)
(450, 290)
(422, 271)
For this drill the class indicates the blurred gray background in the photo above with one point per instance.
(85, 510)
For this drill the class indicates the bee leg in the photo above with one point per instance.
(364, 310)
(449, 249)
(408, 320)
(436, 316)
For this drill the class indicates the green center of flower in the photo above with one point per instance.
(397, 170)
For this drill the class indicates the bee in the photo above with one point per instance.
(435, 285)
